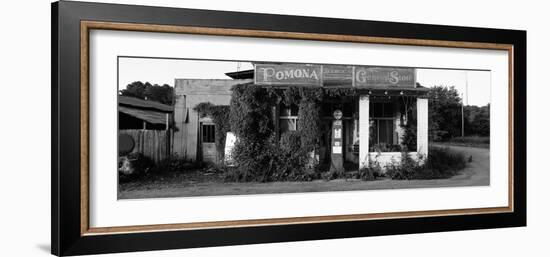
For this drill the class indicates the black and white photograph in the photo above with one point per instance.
(200, 127)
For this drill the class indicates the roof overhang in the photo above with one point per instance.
(146, 115)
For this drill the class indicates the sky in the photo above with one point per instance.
(473, 85)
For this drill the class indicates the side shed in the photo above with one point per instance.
(194, 137)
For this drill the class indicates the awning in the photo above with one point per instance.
(146, 115)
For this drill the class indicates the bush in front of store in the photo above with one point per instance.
(441, 163)
(274, 160)
(260, 155)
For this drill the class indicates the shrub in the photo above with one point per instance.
(372, 171)
(367, 174)
(386, 148)
(270, 161)
(174, 164)
(252, 160)
(409, 124)
(406, 169)
(250, 113)
(409, 137)
(441, 163)
(309, 115)
(134, 165)
(289, 157)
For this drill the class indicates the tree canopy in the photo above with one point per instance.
(445, 115)
(162, 94)
(477, 121)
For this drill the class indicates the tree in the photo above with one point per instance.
(162, 94)
(409, 139)
(135, 89)
(477, 121)
(444, 113)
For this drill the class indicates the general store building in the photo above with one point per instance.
(372, 119)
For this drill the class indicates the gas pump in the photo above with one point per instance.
(336, 156)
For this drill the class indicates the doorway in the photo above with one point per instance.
(208, 142)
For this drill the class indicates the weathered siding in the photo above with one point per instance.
(154, 144)
(189, 93)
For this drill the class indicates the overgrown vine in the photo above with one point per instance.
(220, 116)
(258, 153)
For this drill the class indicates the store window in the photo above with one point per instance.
(288, 118)
(382, 127)
(208, 132)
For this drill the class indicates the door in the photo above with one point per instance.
(208, 143)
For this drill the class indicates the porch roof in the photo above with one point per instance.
(143, 104)
(145, 115)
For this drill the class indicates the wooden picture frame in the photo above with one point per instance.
(71, 24)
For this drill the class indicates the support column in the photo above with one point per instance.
(422, 126)
(364, 129)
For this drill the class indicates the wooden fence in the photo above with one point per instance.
(155, 144)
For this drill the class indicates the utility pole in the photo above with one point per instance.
(462, 110)
(466, 88)
(462, 96)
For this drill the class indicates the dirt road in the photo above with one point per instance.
(476, 173)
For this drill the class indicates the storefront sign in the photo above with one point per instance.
(288, 74)
(373, 77)
(337, 75)
(334, 76)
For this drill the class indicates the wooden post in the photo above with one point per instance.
(167, 121)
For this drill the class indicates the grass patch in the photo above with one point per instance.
(476, 141)
(136, 166)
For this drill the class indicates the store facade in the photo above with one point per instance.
(386, 114)
(373, 120)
